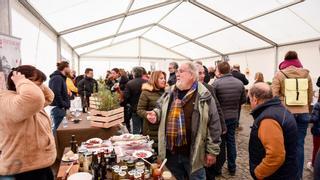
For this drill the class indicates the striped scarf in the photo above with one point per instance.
(176, 128)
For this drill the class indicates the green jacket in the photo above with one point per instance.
(205, 130)
(147, 102)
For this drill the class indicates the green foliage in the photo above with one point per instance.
(106, 100)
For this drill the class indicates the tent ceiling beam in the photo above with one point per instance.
(110, 45)
(38, 16)
(233, 22)
(103, 58)
(34, 12)
(128, 9)
(246, 20)
(173, 51)
(112, 36)
(163, 17)
(189, 39)
(263, 48)
(108, 19)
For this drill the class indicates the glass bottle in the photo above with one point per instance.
(73, 144)
(103, 167)
(95, 167)
(113, 157)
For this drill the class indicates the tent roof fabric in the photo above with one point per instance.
(192, 29)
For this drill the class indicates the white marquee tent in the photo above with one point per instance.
(103, 34)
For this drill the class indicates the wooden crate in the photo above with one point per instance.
(106, 119)
(94, 103)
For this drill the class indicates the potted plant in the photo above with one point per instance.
(105, 108)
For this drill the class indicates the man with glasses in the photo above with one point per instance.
(190, 129)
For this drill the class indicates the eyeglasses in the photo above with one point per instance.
(182, 71)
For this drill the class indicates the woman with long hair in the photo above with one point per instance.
(26, 140)
(258, 77)
(151, 92)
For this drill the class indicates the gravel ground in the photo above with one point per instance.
(242, 139)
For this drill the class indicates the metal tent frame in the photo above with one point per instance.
(148, 27)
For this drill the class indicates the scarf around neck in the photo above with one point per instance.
(176, 128)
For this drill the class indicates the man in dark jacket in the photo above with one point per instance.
(230, 93)
(237, 74)
(173, 67)
(86, 87)
(61, 100)
(131, 95)
(273, 138)
(214, 170)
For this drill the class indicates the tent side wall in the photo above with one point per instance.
(38, 43)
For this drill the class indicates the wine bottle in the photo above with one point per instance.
(113, 157)
(73, 144)
(103, 167)
(95, 167)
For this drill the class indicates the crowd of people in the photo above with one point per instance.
(192, 114)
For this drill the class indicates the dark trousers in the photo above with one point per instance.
(127, 116)
(231, 144)
(302, 124)
(137, 123)
(39, 174)
(317, 167)
(85, 102)
(215, 170)
(57, 115)
(316, 145)
(238, 120)
(179, 165)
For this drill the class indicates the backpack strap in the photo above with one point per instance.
(284, 74)
(297, 89)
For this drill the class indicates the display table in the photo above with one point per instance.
(83, 131)
(61, 175)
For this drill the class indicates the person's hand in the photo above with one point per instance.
(224, 132)
(16, 77)
(210, 160)
(152, 117)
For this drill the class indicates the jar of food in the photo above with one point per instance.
(147, 174)
(87, 162)
(81, 153)
(124, 168)
(131, 174)
(130, 164)
(140, 165)
(153, 166)
(166, 175)
(156, 175)
(137, 176)
(115, 169)
(141, 171)
(122, 175)
(116, 174)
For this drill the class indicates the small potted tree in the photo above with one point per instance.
(105, 108)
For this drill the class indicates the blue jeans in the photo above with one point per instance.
(179, 165)
(302, 124)
(57, 115)
(136, 123)
(231, 144)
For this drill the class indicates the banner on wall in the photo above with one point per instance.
(10, 57)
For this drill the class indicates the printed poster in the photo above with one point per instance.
(10, 57)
